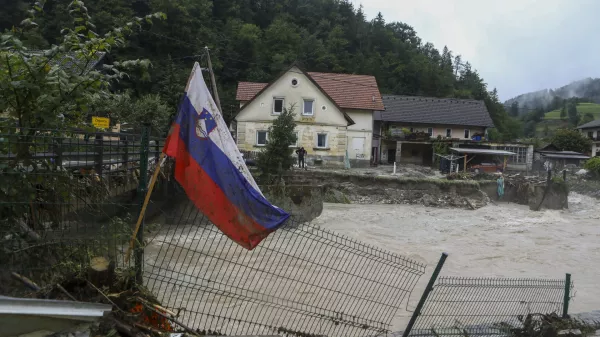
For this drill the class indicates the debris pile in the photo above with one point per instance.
(135, 311)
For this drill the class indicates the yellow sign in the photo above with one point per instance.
(101, 122)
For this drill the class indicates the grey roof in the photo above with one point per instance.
(430, 110)
(592, 124)
(565, 156)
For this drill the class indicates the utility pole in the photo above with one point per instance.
(212, 80)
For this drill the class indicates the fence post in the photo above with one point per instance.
(565, 175)
(428, 289)
(142, 188)
(99, 154)
(58, 152)
(567, 296)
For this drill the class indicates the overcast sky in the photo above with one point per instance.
(517, 46)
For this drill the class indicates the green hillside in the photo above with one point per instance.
(553, 121)
(582, 108)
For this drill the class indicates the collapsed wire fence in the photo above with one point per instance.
(301, 280)
(67, 196)
(459, 306)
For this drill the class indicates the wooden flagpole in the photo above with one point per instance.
(159, 164)
(144, 206)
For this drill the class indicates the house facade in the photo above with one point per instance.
(592, 130)
(333, 113)
(410, 125)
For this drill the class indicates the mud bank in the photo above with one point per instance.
(360, 188)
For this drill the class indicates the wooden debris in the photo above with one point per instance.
(29, 283)
(64, 291)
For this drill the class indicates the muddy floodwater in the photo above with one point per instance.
(504, 240)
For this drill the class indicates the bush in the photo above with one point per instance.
(571, 140)
(593, 166)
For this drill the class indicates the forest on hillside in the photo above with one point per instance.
(254, 40)
(571, 105)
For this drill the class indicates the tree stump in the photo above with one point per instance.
(101, 271)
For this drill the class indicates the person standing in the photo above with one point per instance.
(500, 183)
(301, 152)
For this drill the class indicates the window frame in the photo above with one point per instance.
(467, 134)
(430, 132)
(277, 98)
(297, 138)
(304, 105)
(448, 134)
(266, 137)
(326, 140)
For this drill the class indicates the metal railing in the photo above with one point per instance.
(67, 196)
(301, 280)
(459, 306)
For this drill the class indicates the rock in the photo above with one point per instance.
(570, 332)
(581, 172)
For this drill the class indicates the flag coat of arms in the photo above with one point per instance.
(212, 171)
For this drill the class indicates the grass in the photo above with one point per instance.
(553, 120)
(582, 108)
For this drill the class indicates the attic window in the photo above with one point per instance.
(294, 82)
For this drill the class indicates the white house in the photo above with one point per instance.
(334, 114)
(592, 130)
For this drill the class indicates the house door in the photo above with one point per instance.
(391, 156)
(358, 146)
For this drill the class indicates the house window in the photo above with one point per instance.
(322, 140)
(591, 134)
(277, 105)
(309, 105)
(449, 133)
(430, 132)
(261, 138)
(519, 158)
(295, 144)
(412, 130)
(467, 133)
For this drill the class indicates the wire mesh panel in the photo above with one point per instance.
(300, 280)
(486, 306)
(65, 196)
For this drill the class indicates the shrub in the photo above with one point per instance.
(593, 166)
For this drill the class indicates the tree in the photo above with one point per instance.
(571, 140)
(587, 117)
(277, 155)
(573, 114)
(38, 90)
(563, 112)
(546, 130)
(514, 109)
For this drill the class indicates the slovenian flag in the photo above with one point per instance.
(211, 170)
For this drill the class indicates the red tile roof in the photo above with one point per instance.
(247, 90)
(348, 91)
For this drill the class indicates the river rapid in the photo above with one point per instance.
(503, 240)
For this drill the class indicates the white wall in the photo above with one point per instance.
(261, 108)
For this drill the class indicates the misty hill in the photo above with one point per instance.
(547, 99)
